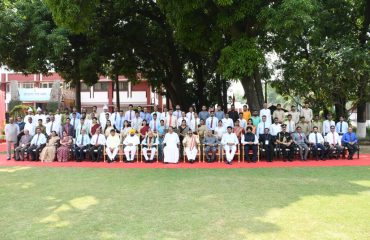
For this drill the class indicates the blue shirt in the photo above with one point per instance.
(21, 125)
(146, 116)
(219, 114)
(349, 137)
(78, 116)
(86, 140)
(119, 122)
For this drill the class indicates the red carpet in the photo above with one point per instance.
(364, 160)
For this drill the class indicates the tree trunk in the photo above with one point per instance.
(224, 95)
(116, 82)
(199, 76)
(250, 93)
(258, 87)
(219, 90)
(78, 94)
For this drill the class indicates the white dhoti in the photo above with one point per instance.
(130, 152)
(191, 154)
(152, 153)
(230, 152)
(171, 154)
(111, 154)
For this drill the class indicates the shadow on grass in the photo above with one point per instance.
(182, 203)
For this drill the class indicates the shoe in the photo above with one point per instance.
(8, 158)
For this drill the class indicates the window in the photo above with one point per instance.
(84, 87)
(101, 86)
(25, 85)
(46, 85)
(123, 86)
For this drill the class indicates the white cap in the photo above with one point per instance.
(105, 107)
(29, 110)
(38, 109)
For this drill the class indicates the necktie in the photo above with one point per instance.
(155, 125)
(115, 117)
(81, 129)
(170, 120)
(211, 122)
(74, 122)
(191, 116)
(264, 126)
(130, 115)
(300, 136)
(340, 130)
(82, 141)
(120, 123)
(290, 129)
(37, 139)
(333, 138)
(316, 138)
(51, 128)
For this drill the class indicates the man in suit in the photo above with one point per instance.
(267, 141)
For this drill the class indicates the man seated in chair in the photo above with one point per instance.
(350, 141)
(130, 145)
(250, 141)
(211, 142)
(112, 145)
(267, 141)
(37, 144)
(299, 138)
(332, 138)
(23, 144)
(317, 141)
(97, 143)
(285, 143)
(190, 143)
(171, 149)
(229, 141)
(82, 143)
(151, 142)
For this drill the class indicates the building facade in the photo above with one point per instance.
(37, 90)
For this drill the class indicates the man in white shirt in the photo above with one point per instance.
(30, 115)
(290, 123)
(327, 124)
(341, 127)
(334, 142)
(295, 114)
(154, 123)
(262, 125)
(194, 123)
(306, 112)
(229, 141)
(190, 114)
(267, 113)
(242, 121)
(37, 144)
(114, 116)
(227, 122)
(130, 145)
(171, 149)
(113, 142)
(155, 110)
(211, 122)
(58, 117)
(74, 120)
(82, 126)
(275, 128)
(136, 122)
(171, 120)
(163, 115)
(183, 117)
(190, 143)
(30, 126)
(178, 112)
(97, 143)
(104, 116)
(130, 114)
(11, 133)
(82, 143)
(317, 142)
(151, 142)
(39, 115)
(53, 125)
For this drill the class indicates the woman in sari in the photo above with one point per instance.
(238, 130)
(250, 124)
(48, 152)
(125, 130)
(95, 125)
(143, 129)
(65, 146)
(108, 128)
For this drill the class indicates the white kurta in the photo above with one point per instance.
(171, 151)
(131, 150)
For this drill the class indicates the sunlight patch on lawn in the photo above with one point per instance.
(13, 169)
(362, 183)
(83, 203)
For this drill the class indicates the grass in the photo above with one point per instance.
(279, 203)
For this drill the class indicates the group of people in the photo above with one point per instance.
(173, 134)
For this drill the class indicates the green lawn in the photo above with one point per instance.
(279, 203)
